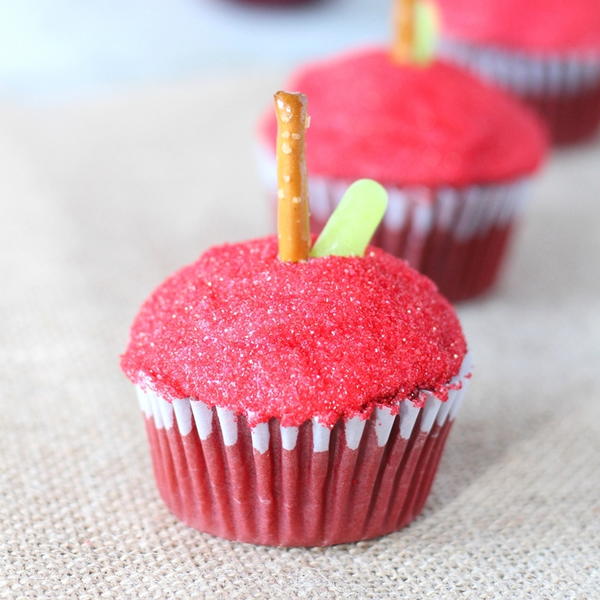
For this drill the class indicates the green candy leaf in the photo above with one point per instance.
(427, 27)
(353, 223)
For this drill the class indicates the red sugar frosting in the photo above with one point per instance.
(327, 338)
(439, 125)
(533, 25)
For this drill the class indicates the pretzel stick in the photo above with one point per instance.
(293, 226)
(404, 30)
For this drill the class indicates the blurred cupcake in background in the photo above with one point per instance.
(277, 2)
(454, 153)
(547, 52)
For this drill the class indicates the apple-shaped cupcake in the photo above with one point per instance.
(294, 393)
(455, 155)
(547, 52)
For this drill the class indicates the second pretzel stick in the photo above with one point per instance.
(293, 227)
(404, 30)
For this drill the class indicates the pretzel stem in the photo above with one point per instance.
(293, 227)
(404, 30)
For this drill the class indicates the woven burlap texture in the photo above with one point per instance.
(100, 201)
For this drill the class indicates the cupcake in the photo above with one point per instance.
(455, 155)
(277, 2)
(298, 399)
(547, 52)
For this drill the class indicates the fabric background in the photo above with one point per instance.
(99, 203)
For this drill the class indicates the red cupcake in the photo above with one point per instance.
(276, 2)
(455, 155)
(292, 400)
(545, 51)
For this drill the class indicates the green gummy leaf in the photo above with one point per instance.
(427, 26)
(353, 223)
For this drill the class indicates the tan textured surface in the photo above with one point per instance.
(99, 203)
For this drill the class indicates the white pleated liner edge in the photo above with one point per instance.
(526, 72)
(469, 211)
(184, 413)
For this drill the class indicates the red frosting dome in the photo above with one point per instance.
(371, 117)
(534, 25)
(327, 338)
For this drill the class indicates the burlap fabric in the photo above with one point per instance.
(100, 201)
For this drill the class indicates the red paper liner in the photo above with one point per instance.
(296, 497)
(460, 244)
(458, 237)
(563, 88)
(462, 269)
(571, 118)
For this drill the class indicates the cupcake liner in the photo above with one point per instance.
(564, 89)
(456, 236)
(298, 486)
